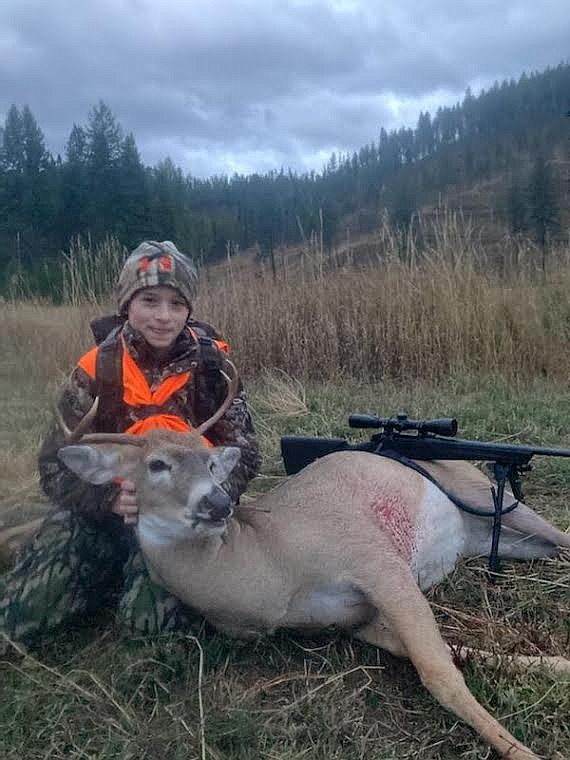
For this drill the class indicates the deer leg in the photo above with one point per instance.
(525, 536)
(512, 544)
(557, 664)
(398, 598)
(382, 637)
(526, 521)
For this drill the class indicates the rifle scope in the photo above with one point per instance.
(446, 426)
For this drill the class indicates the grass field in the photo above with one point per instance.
(96, 693)
(497, 358)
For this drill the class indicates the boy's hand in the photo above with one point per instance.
(126, 503)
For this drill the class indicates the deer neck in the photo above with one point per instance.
(159, 535)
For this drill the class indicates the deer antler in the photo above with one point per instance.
(72, 436)
(232, 382)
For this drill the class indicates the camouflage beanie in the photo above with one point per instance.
(152, 264)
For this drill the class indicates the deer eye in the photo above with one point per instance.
(159, 465)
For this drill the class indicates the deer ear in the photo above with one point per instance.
(90, 463)
(222, 462)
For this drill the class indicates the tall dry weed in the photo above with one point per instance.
(89, 272)
(415, 305)
(408, 311)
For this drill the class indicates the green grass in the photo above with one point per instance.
(96, 694)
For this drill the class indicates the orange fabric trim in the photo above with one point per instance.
(136, 390)
(223, 346)
(88, 362)
(164, 422)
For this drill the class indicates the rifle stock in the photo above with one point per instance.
(300, 451)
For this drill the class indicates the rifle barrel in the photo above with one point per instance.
(432, 447)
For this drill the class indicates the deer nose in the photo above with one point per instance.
(217, 504)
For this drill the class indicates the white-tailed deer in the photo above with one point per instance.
(350, 541)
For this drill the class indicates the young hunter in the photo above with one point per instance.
(153, 366)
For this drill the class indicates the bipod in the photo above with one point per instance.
(502, 473)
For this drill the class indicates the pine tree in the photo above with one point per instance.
(73, 203)
(517, 211)
(544, 209)
(36, 199)
(104, 140)
(76, 148)
(133, 197)
(33, 143)
(13, 148)
(27, 188)
(12, 189)
(403, 204)
(168, 201)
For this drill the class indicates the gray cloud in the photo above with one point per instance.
(258, 84)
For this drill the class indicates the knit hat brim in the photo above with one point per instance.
(152, 264)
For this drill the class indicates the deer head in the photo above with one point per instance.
(179, 485)
(178, 479)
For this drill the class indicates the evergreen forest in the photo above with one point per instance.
(503, 154)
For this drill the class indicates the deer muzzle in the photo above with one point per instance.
(215, 506)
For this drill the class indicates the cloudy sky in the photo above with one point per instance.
(252, 85)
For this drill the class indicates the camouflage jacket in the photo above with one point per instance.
(199, 398)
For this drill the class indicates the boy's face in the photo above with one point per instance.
(159, 313)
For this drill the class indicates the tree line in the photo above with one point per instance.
(101, 187)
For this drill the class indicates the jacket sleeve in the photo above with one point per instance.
(61, 485)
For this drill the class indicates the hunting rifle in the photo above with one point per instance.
(408, 440)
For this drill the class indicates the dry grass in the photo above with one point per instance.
(389, 308)
(398, 313)
(393, 321)
(437, 339)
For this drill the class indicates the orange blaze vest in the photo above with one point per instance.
(138, 395)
